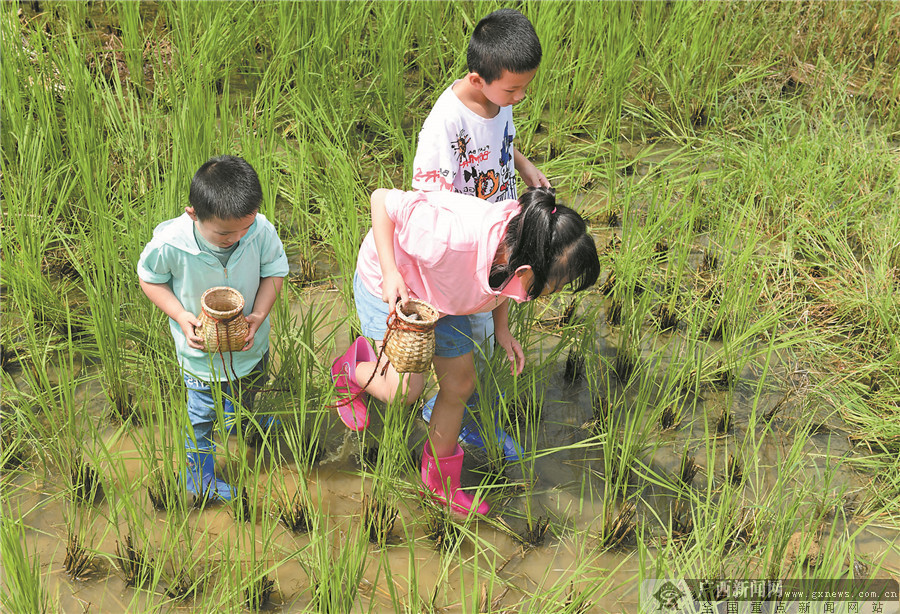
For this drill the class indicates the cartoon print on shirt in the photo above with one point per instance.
(487, 175)
(486, 183)
(461, 145)
(505, 147)
(482, 154)
(438, 176)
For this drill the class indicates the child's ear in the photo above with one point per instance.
(190, 212)
(523, 270)
(476, 80)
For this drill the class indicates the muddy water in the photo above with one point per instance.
(568, 489)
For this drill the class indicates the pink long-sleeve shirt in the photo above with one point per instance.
(444, 246)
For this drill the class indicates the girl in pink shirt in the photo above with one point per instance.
(462, 256)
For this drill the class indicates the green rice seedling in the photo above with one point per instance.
(132, 40)
(85, 482)
(159, 444)
(244, 507)
(8, 361)
(368, 458)
(576, 602)
(734, 474)
(882, 494)
(600, 408)
(668, 310)
(13, 451)
(24, 589)
(446, 29)
(189, 562)
(454, 560)
(670, 418)
(183, 585)
(296, 340)
(604, 35)
(135, 563)
(535, 531)
(45, 400)
(78, 563)
(342, 204)
(574, 589)
(259, 592)
(252, 574)
(379, 517)
(681, 521)
(335, 569)
(575, 367)
(295, 514)
(163, 489)
(688, 469)
(31, 91)
(723, 422)
(389, 90)
(105, 296)
(441, 529)
(690, 78)
(518, 411)
(388, 461)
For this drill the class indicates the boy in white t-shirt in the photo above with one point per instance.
(466, 144)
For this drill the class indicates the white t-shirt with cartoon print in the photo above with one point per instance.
(464, 152)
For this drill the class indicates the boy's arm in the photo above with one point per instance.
(383, 229)
(269, 287)
(530, 174)
(162, 296)
(505, 339)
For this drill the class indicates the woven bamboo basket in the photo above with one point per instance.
(222, 324)
(410, 342)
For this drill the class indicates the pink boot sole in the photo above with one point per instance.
(352, 408)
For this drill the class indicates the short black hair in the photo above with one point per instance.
(503, 40)
(553, 240)
(225, 187)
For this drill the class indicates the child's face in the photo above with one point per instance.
(219, 232)
(527, 276)
(509, 88)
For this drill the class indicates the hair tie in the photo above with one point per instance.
(554, 211)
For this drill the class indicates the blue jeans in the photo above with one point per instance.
(452, 334)
(201, 402)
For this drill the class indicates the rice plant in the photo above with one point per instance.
(25, 590)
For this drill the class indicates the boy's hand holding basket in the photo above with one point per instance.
(223, 327)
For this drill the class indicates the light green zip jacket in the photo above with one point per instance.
(173, 257)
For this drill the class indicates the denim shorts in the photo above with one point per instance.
(452, 334)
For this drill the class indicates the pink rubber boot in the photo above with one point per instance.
(441, 477)
(352, 407)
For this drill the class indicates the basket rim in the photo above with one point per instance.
(222, 312)
(435, 315)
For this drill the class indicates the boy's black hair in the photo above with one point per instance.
(553, 240)
(225, 187)
(503, 40)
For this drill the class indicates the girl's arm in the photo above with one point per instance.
(504, 338)
(162, 296)
(392, 285)
(269, 287)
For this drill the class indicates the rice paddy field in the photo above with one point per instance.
(725, 403)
